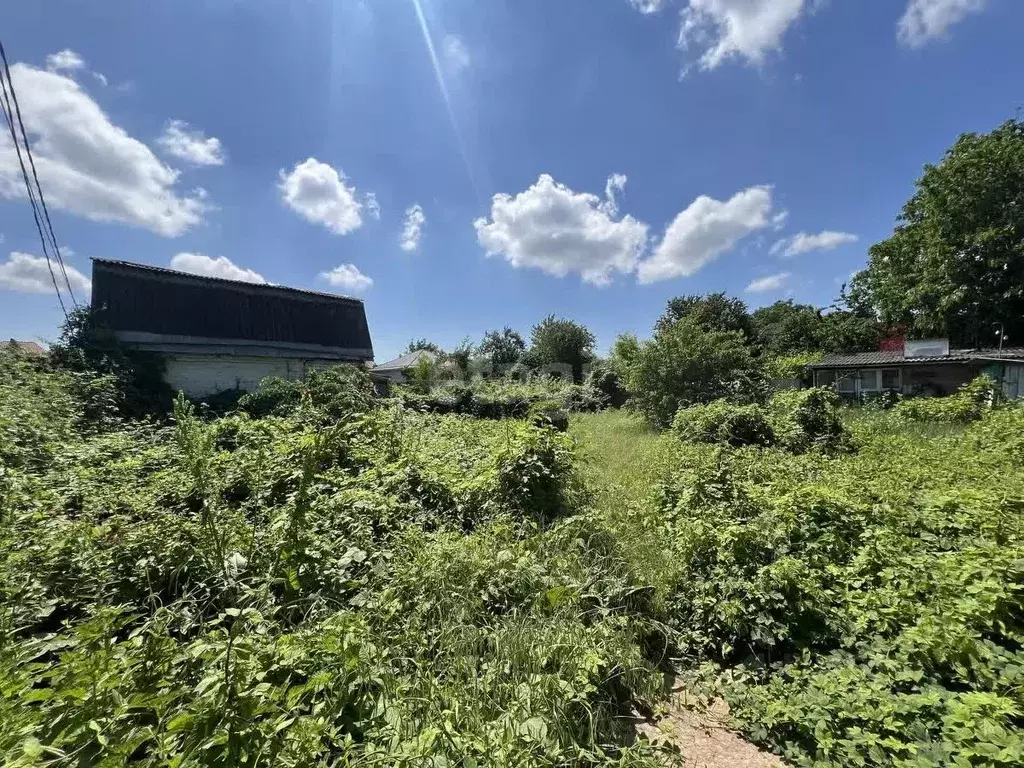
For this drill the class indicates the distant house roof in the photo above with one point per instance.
(407, 361)
(897, 358)
(162, 309)
(26, 347)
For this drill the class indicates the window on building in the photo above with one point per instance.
(891, 378)
(869, 381)
(847, 383)
(826, 378)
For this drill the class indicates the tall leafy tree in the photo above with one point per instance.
(711, 312)
(502, 348)
(555, 340)
(954, 265)
(784, 328)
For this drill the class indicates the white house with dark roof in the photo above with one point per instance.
(217, 335)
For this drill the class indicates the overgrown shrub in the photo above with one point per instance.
(684, 365)
(724, 422)
(603, 378)
(969, 403)
(340, 584)
(859, 610)
(503, 399)
(332, 393)
(808, 418)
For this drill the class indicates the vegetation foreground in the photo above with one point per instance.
(344, 581)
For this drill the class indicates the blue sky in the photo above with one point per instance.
(590, 158)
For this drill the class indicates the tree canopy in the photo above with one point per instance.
(954, 266)
(418, 344)
(556, 341)
(786, 327)
(711, 312)
(502, 348)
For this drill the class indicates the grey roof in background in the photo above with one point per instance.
(26, 347)
(860, 359)
(406, 361)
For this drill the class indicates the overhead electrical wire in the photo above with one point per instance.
(43, 223)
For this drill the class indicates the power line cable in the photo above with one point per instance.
(6, 108)
(35, 175)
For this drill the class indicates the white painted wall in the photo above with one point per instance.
(204, 375)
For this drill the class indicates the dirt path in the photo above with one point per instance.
(704, 738)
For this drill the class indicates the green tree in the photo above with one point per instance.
(684, 365)
(418, 344)
(624, 353)
(954, 266)
(845, 330)
(502, 348)
(556, 341)
(784, 328)
(713, 312)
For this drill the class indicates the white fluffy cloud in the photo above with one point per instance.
(805, 243)
(348, 277)
(318, 193)
(29, 274)
(88, 165)
(646, 6)
(208, 266)
(372, 206)
(706, 229)
(412, 229)
(717, 30)
(456, 55)
(192, 146)
(926, 20)
(552, 228)
(64, 61)
(768, 283)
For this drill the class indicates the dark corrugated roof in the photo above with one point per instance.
(859, 359)
(406, 361)
(140, 298)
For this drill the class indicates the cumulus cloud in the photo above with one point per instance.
(646, 6)
(26, 273)
(412, 229)
(805, 243)
(192, 146)
(768, 283)
(926, 20)
(456, 55)
(718, 30)
(552, 228)
(318, 193)
(705, 230)
(90, 166)
(348, 277)
(209, 266)
(64, 61)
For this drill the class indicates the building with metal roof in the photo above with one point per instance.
(217, 334)
(926, 367)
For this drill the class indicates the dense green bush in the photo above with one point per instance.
(794, 420)
(807, 418)
(684, 365)
(861, 610)
(342, 584)
(502, 399)
(724, 422)
(969, 403)
(332, 393)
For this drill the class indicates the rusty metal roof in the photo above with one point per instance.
(897, 358)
